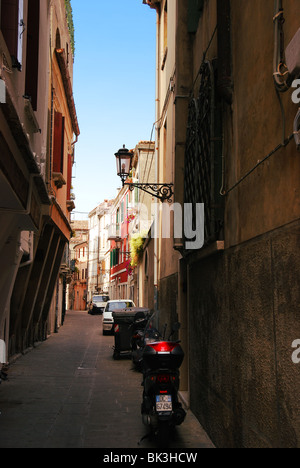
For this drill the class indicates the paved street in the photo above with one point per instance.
(69, 393)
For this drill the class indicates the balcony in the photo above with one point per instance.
(114, 232)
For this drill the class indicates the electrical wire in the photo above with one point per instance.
(204, 58)
(275, 150)
(281, 85)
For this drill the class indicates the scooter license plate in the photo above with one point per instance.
(164, 403)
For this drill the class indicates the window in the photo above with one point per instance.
(12, 27)
(203, 155)
(114, 258)
(122, 211)
(32, 55)
(165, 35)
(21, 30)
(195, 9)
(118, 306)
(57, 40)
(166, 26)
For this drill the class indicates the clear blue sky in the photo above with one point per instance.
(114, 91)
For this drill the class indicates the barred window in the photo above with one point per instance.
(203, 155)
(195, 8)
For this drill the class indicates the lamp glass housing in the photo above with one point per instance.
(124, 163)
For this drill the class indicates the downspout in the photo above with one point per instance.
(76, 140)
(225, 84)
(156, 218)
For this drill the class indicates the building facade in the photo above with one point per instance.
(226, 85)
(132, 215)
(99, 249)
(34, 210)
(120, 277)
(78, 252)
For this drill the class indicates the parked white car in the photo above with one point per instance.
(111, 306)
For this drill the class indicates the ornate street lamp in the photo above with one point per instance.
(119, 242)
(124, 165)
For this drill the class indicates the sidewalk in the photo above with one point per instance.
(69, 393)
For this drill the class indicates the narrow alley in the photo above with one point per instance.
(70, 393)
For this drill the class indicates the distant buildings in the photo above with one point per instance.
(77, 288)
(111, 263)
(98, 250)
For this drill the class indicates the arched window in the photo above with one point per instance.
(57, 40)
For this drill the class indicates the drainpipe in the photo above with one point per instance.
(75, 141)
(156, 167)
(225, 85)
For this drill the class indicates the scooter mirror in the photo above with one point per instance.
(176, 326)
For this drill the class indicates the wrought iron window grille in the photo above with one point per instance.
(203, 155)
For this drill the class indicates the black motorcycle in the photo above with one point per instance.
(161, 408)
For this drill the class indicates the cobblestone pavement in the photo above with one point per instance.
(70, 393)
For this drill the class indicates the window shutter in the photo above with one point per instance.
(21, 29)
(58, 145)
(69, 177)
(9, 25)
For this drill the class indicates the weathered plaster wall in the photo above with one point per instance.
(244, 318)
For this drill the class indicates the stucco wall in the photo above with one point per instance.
(244, 317)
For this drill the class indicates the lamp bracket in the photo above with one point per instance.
(163, 192)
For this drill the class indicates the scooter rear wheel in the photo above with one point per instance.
(163, 434)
